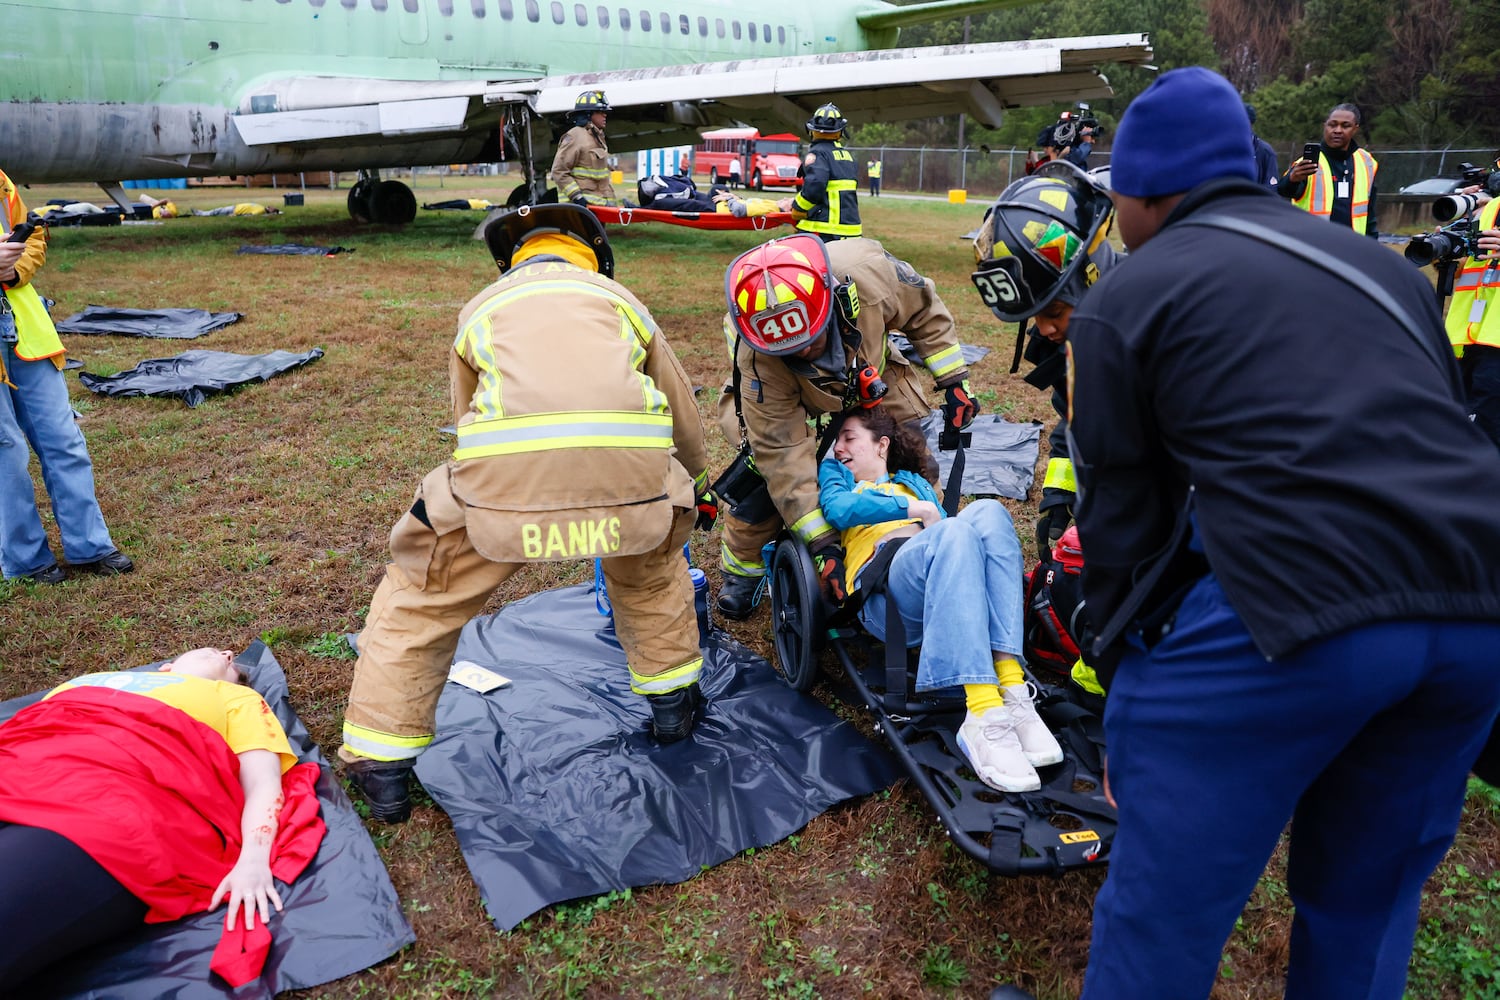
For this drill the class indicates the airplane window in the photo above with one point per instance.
(735, 28)
(603, 17)
(781, 33)
(557, 12)
(533, 12)
(624, 19)
(752, 31)
(719, 26)
(477, 6)
(765, 33)
(378, 4)
(703, 26)
(411, 6)
(666, 23)
(507, 10)
(682, 22)
(445, 7)
(350, 4)
(645, 20)
(581, 15)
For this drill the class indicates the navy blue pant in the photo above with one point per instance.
(1363, 740)
(1483, 365)
(54, 900)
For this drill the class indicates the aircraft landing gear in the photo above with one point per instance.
(389, 203)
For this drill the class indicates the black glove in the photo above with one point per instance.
(830, 563)
(959, 407)
(1050, 527)
(580, 200)
(708, 511)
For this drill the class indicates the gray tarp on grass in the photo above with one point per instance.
(342, 915)
(293, 250)
(1000, 462)
(557, 791)
(174, 324)
(192, 376)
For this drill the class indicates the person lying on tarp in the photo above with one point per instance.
(147, 796)
(956, 582)
(161, 208)
(241, 208)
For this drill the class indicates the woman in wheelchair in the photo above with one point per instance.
(956, 583)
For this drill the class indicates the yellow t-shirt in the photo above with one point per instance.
(234, 711)
(249, 208)
(861, 540)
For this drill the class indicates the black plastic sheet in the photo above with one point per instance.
(192, 376)
(557, 791)
(342, 915)
(174, 324)
(294, 250)
(1001, 461)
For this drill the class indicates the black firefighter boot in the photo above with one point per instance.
(738, 595)
(673, 713)
(384, 785)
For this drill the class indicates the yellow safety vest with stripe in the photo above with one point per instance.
(1318, 193)
(831, 179)
(36, 337)
(875, 167)
(1474, 310)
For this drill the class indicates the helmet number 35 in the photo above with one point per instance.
(996, 288)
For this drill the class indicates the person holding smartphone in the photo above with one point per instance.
(35, 412)
(1335, 179)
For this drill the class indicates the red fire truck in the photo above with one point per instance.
(764, 160)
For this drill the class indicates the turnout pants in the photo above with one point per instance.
(741, 544)
(437, 581)
(1363, 740)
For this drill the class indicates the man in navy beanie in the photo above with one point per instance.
(1289, 531)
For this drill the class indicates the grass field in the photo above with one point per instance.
(265, 514)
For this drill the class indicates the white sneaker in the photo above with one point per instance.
(994, 750)
(1040, 746)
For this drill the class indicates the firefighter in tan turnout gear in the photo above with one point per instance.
(808, 325)
(578, 438)
(580, 170)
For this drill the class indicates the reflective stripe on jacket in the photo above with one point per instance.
(1318, 193)
(1474, 312)
(830, 191)
(36, 337)
(582, 167)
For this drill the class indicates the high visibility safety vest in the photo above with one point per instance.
(1318, 193)
(829, 176)
(1474, 311)
(36, 337)
(874, 169)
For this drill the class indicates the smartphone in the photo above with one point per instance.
(1310, 151)
(21, 233)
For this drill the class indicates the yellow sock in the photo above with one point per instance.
(1008, 669)
(982, 697)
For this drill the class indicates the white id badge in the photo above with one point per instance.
(1343, 189)
(1476, 311)
(471, 675)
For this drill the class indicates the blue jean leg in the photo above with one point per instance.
(940, 581)
(45, 415)
(23, 540)
(1212, 749)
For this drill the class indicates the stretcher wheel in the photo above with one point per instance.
(796, 614)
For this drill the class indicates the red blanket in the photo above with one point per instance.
(154, 796)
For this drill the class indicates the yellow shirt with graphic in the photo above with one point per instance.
(861, 541)
(234, 711)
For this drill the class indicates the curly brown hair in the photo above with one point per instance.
(906, 448)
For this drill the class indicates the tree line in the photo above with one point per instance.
(1425, 73)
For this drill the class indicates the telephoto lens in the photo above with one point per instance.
(1454, 206)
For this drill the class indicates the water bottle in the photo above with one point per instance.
(601, 595)
(700, 601)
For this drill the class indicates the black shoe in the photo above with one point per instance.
(50, 574)
(672, 714)
(739, 595)
(384, 785)
(113, 564)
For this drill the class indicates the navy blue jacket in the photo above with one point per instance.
(1333, 475)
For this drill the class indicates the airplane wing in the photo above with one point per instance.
(668, 105)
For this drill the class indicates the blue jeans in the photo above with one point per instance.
(958, 587)
(38, 411)
(1363, 740)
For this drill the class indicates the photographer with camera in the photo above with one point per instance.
(1473, 321)
(1335, 179)
(1072, 138)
